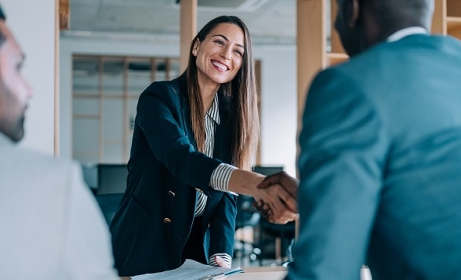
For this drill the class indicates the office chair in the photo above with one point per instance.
(111, 178)
(283, 235)
(109, 204)
(246, 217)
(111, 186)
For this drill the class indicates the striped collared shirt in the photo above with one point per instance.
(220, 177)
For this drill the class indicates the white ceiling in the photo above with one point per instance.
(269, 21)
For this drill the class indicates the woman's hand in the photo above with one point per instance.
(221, 262)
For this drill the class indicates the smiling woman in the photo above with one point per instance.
(194, 142)
(186, 138)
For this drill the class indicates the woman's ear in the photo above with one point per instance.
(196, 47)
(353, 13)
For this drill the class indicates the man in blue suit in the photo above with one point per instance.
(380, 161)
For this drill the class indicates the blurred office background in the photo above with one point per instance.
(115, 49)
(111, 51)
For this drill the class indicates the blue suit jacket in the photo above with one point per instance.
(156, 214)
(380, 165)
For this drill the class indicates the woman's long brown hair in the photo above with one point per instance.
(243, 95)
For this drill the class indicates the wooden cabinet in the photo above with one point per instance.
(319, 46)
(453, 18)
(447, 18)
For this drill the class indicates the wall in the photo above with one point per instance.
(278, 89)
(33, 25)
(278, 106)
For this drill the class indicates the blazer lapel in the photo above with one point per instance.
(185, 109)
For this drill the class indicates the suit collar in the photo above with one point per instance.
(213, 112)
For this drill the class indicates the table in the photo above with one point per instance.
(260, 273)
(255, 273)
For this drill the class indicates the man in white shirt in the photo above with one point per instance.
(50, 225)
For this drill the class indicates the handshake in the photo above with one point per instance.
(275, 195)
(277, 199)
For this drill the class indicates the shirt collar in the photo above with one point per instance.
(402, 33)
(213, 112)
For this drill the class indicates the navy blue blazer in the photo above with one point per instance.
(156, 213)
(380, 165)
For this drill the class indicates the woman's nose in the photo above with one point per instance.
(226, 53)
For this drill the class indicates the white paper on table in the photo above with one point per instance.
(189, 270)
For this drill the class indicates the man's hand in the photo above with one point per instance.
(290, 185)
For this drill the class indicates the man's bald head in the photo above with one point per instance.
(363, 23)
(392, 15)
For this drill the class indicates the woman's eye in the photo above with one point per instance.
(219, 42)
(238, 52)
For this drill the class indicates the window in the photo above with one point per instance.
(105, 92)
(104, 97)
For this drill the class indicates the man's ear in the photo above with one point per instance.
(353, 13)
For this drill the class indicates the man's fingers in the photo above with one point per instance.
(271, 180)
(267, 182)
(289, 183)
(290, 203)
